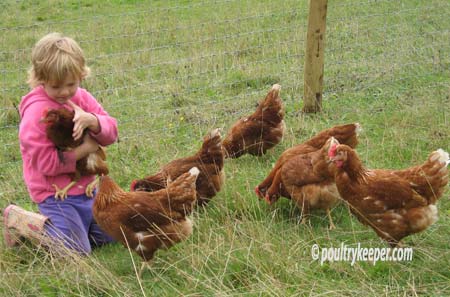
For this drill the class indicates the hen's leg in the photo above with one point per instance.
(62, 193)
(145, 264)
(305, 215)
(261, 189)
(300, 199)
(332, 226)
(273, 193)
(305, 220)
(91, 187)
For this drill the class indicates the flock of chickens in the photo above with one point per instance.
(315, 174)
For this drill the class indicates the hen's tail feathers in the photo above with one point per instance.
(212, 139)
(441, 157)
(425, 216)
(182, 192)
(194, 171)
(272, 95)
(214, 133)
(358, 129)
(185, 182)
(276, 88)
(211, 150)
(272, 102)
(437, 169)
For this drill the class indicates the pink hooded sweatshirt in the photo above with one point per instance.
(41, 165)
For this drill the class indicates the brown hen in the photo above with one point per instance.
(271, 188)
(260, 131)
(147, 221)
(394, 203)
(308, 179)
(59, 129)
(209, 160)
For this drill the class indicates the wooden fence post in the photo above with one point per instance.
(314, 56)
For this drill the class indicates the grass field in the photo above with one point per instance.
(170, 71)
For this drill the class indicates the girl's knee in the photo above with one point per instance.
(68, 239)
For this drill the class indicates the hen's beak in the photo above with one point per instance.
(333, 159)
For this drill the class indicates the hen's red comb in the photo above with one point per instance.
(332, 150)
(44, 115)
(133, 185)
(45, 112)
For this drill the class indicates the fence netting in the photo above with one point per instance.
(168, 69)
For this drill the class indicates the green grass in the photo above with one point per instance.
(170, 71)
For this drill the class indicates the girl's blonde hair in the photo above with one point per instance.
(53, 58)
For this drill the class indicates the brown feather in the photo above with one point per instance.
(308, 179)
(272, 186)
(59, 129)
(395, 203)
(146, 221)
(209, 160)
(258, 132)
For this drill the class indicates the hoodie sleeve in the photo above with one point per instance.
(38, 149)
(108, 125)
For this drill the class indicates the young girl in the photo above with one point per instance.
(58, 67)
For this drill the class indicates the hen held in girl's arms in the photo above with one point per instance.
(260, 131)
(395, 203)
(209, 160)
(147, 221)
(59, 129)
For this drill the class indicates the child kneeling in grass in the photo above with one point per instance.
(58, 67)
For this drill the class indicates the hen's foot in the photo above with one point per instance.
(61, 194)
(91, 187)
(271, 199)
(332, 226)
(143, 266)
(305, 221)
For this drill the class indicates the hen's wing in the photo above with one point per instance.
(393, 192)
(373, 191)
(299, 171)
(143, 212)
(145, 209)
(392, 208)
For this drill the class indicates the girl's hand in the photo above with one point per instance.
(83, 120)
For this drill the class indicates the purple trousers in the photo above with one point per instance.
(71, 221)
